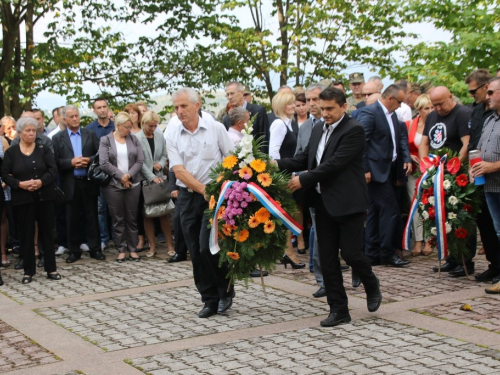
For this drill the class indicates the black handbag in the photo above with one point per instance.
(156, 193)
(95, 173)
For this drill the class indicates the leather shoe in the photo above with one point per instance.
(321, 292)
(494, 289)
(375, 262)
(19, 265)
(1, 281)
(72, 258)
(177, 258)
(225, 303)
(459, 270)
(487, 275)
(344, 267)
(394, 261)
(97, 255)
(41, 263)
(447, 267)
(356, 281)
(334, 319)
(207, 312)
(374, 299)
(496, 280)
(256, 273)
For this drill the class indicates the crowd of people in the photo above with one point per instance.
(353, 162)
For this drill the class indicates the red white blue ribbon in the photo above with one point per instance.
(414, 205)
(269, 203)
(439, 205)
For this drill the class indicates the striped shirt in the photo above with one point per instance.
(489, 144)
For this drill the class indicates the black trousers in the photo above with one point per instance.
(344, 233)
(210, 279)
(180, 241)
(26, 215)
(14, 240)
(488, 237)
(81, 198)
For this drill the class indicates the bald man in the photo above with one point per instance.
(369, 88)
(447, 126)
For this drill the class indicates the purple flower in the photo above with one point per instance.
(232, 222)
(243, 185)
(236, 172)
(239, 211)
(244, 204)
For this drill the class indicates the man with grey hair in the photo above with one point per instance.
(74, 149)
(378, 81)
(195, 145)
(235, 94)
(238, 117)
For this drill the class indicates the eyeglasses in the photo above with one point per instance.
(366, 95)
(473, 92)
(399, 101)
(490, 92)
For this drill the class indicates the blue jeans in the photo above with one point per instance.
(493, 201)
(102, 213)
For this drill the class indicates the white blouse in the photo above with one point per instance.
(277, 134)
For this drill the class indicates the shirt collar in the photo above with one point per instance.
(332, 126)
(201, 124)
(75, 133)
(386, 111)
(244, 104)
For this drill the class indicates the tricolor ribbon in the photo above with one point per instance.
(439, 205)
(414, 204)
(269, 203)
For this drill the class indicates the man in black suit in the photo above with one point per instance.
(335, 180)
(235, 94)
(384, 144)
(74, 150)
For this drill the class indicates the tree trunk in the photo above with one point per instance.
(9, 41)
(30, 47)
(285, 43)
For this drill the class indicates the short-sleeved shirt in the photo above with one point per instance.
(447, 131)
(198, 151)
(489, 144)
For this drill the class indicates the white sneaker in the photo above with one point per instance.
(84, 247)
(61, 250)
(103, 246)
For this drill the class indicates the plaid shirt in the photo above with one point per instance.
(489, 144)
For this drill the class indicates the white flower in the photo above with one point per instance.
(249, 158)
(452, 216)
(421, 205)
(425, 215)
(453, 200)
(242, 164)
(434, 231)
(448, 227)
(431, 200)
(446, 185)
(246, 142)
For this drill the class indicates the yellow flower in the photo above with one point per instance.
(220, 212)
(246, 173)
(230, 161)
(263, 215)
(258, 165)
(234, 256)
(211, 205)
(211, 221)
(220, 177)
(253, 222)
(269, 227)
(264, 179)
(241, 236)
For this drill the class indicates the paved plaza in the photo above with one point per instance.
(141, 318)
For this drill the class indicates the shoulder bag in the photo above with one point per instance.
(95, 173)
(156, 193)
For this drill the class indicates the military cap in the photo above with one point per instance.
(246, 90)
(424, 87)
(415, 87)
(356, 78)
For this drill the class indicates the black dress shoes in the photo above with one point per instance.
(447, 267)
(496, 280)
(225, 303)
(41, 263)
(256, 273)
(1, 281)
(374, 299)
(394, 261)
(19, 265)
(459, 271)
(334, 319)
(98, 255)
(321, 292)
(356, 281)
(72, 258)
(207, 311)
(177, 258)
(488, 275)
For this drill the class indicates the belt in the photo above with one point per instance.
(81, 177)
(188, 190)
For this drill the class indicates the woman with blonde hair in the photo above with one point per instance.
(282, 144)
(415, 128)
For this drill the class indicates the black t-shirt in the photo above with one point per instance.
(478, 117)
(447, 131)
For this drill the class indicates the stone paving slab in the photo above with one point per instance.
(76, 372)
(369, 346)
(484, 314)
(399, 284)
(18, 351)
(92, 278)
(168, 315)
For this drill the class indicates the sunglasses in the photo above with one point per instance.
(490, 92)
(472, 92)
(368, 94)
(399, 101)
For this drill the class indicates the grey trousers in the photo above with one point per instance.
(318, 274)
(123, 206)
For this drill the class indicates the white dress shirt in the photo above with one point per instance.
(404, 112)
(388, 115)
(54, 132)
(277, 134)
(327, 132)
(198, 151)
(175, 120)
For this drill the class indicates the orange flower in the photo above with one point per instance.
(269, 227)
(258, 165)
(211, 204)
(220, 177)
(246, 173)
(263, 215)
(222, 235)
(254, 198)
(211, 221)
(241, 236)
(220, 212)
(259, 245)
(264, 179)
(230, 161)
(278, 203)
(234, 256)
(253, 222)
(228, 228)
